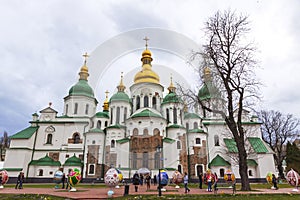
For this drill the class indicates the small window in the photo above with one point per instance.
(76, 138)
(75, 108)
(135, 132)
(195, 125)
(41, 172)
(87, 109)
(51, 172)
(112, 144)
(250, 172)
(93, 142)
(178, 144)
(138, 102)
(198, 141)
(49, 139)
(146, 101)
(99, 124)
(67, 108)
(216, 137)
(145, 132)
(154, 102)
(105, 124)
(92, 169)
(221, 172)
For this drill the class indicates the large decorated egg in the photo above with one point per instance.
(293, 178)
(229, 176)
(269, 177)
(177, 177)
(58, 175)
(164, 178)
(113, 177)
(4, 176)
(74, 177)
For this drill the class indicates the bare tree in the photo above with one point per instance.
(230, 61)
(277, 130)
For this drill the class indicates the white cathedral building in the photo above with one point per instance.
(141, 129)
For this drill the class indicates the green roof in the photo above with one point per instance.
(45, 161)
(168, 140)
(103, 114)
(251, 162)
(175, 126)
(12, 169)
(191, 116)
(25, 134)
(116, 126)
(120, 96)
(95, 130)
(124, 140)
(218, 161)
(73, 161)
(146, 113)
(208, 91)
(258, 145)
(197, 130)
(82, 88)
(231, 145)
(172, 97)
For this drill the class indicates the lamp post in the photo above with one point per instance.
(158, 150)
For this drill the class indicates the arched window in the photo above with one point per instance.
(156, 131)
(118, 116)
(138, 100)
(106, 122)
(112, 143)
(216, 137)
(145, 132)
(178, 144)
(199, 170)
(75, 108)
(135, 132)
(175, 115)
(187, 126)
(99, 124)
(49, 139)
(146, 101)
(111, 115)
(179, 168)
(134, 160)
(93, 142)
(250, 172)
(195, 125)
(41, 172)
(198, 141)
(76, 138)
(168, 116)
(67, 108)
(125, 114)
(92, 169)
(222, 172)
(145, 159)
(87, 109)
(154, 102)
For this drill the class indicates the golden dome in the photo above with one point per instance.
(84, 71)
(146, 75)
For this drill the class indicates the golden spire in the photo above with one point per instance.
(146, 75)
(121, 87)
(207, 74)
(106, 102)
(84, 71)
(171, 88)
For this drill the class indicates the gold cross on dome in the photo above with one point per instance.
(86, 55)
(146, 39)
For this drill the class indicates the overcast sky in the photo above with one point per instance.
(41, 43)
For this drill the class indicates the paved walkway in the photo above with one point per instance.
(101, 193)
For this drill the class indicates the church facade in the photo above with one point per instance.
(141, 129)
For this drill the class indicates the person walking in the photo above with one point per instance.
(20, 181)
(274, 181)
(216, 182)
(148, 180)
(186, 181)
(200, 180)
(63, 180)
(154, 180)
(136, 181)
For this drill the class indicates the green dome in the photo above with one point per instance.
(103, 114)
(208, 91)
(172, 98)
(82, 88)
(73, 161)
(191, 116)
(120, 96)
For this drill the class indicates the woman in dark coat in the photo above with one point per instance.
(136, 181)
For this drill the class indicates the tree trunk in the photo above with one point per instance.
(243, 168)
